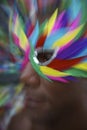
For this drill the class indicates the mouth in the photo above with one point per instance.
(34, 102)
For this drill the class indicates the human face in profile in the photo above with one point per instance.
(46, 100)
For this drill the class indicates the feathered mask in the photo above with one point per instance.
(57, 48)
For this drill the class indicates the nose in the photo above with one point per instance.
(29, 76)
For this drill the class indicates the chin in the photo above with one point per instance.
(42, 113)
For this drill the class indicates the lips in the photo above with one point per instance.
(34, 102)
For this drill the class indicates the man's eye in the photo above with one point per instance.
(44, 57)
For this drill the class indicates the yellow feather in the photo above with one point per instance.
(52, 21)
(52, 72)
(49, 25)
(20, 33)
(67, 37)
(81, 66)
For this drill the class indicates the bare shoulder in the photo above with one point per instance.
(19, 122)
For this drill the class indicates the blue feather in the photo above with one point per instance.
(34, 36)
(54, 37)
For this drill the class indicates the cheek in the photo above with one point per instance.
(52, 93)
(58, 94)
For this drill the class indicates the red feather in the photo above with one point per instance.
(41, 41)
(61, 65)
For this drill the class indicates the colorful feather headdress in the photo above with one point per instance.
(63, 35)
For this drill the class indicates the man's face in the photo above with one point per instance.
(44, 99)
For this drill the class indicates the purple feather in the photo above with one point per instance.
(74, 49)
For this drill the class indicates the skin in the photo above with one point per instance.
(51, 105)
